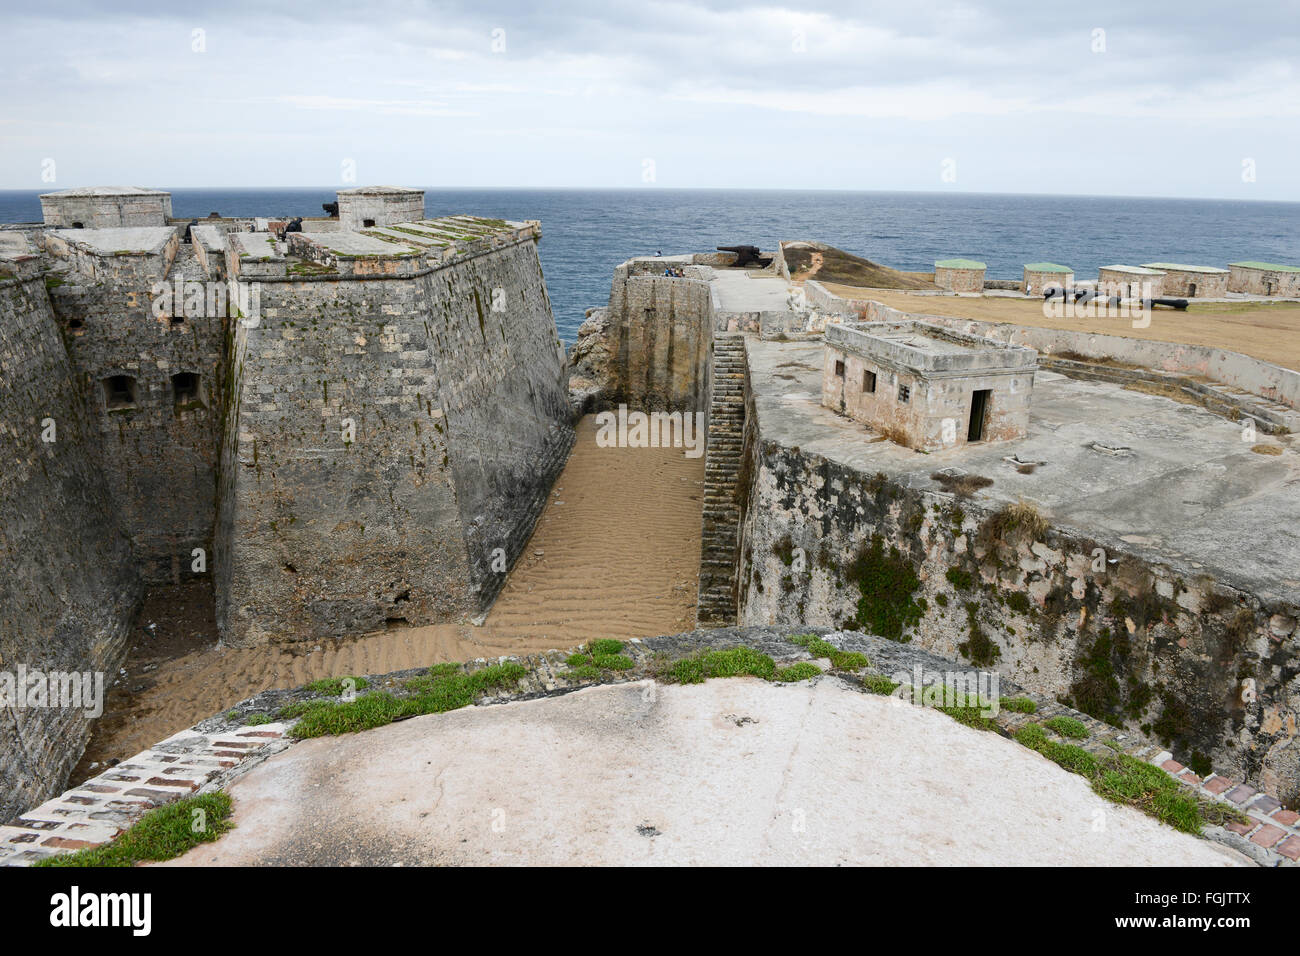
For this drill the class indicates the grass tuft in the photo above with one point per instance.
(335, 686)
(161, 834)
(801, 670)
(1067, 727)
(440, 690)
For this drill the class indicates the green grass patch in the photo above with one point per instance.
(735, 662)
(840, 660)
(1067, 727)
(801, 670)
(256, 720)
(439, 690)
(1127, 780)
(879, 684)
(335, 686)
(1018, 705)
(601, 655)
(161, 834)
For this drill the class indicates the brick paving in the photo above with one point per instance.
(99, 809)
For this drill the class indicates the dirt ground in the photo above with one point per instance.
(615, 554)
(1268, 331)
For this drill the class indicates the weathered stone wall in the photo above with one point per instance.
(1130, 285)
(504, 388)
(362, 209)
(106, 211)
(1212, 670)
(68, 586)
(661, 327)
(1264, 281)
(959, 280)
(158, 454)
(1036, 282)
(385, 436)
(1202, 285)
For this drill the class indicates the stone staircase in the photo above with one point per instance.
(716, 605)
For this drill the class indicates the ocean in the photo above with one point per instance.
(586, 233)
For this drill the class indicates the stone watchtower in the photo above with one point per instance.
(928, 387)
(106, 207)
(368, 207)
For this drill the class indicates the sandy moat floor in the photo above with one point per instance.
(615, 554)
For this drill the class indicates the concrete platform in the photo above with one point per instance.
(730, 772)
(107, 242)
(1183, 486)
(740, 290)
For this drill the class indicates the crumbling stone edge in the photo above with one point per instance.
(212, 753)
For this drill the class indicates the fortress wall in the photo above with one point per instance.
(320, 535)
(1208, 668)
(661, 328)
(159, 454)
(459, 424)
(504, 389)
(68, 587)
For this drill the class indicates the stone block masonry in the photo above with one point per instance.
(68, 581)
(390, 444)
(152, 375)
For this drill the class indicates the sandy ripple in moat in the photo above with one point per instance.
(615, 554)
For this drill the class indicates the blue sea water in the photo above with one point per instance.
(588, 232)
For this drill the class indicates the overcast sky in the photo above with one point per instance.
(1115, 98)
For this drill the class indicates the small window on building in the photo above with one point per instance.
(868, 381)
(839, 369)
(368, 223)
(185, 388)
(75, 323)
(904, 393)
(119, 392)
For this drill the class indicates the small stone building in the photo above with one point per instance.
(106, 207)
(960, 275)
(369, 206)
(1041, 276)
(1130, 282)
(1264, 278)
(1206, 282)
(926, 386)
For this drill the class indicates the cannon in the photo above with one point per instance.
(746, 255)
(331, 209)
(295, 225)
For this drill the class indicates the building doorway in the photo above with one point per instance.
(979, 406)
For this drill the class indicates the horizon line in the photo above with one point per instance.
(657, 188)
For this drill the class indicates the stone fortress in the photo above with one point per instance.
(367, 430)
(348, 422)
(1091, 514)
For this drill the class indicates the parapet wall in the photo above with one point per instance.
(68, 586)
